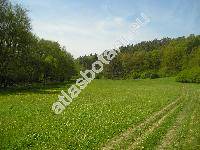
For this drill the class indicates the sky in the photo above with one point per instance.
(92, 26)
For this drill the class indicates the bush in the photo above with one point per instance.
(149, 74)
(189, 75)
(144, 75)
(132, 75)
(154, 76)
(135, 75)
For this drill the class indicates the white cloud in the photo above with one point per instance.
(81, 38)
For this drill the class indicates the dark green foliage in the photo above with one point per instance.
(24, 58)
(85, 62)
(189, 76)
(149, 74)
(55, 63)
(153, 59)
(134, 75)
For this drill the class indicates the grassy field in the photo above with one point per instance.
(121, 114)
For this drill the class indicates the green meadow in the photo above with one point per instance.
(108, 114)
(146, 94)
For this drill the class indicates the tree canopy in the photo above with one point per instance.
(26, 58)
(152, 59)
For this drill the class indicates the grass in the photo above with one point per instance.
(103, 110)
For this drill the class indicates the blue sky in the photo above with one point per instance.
(91, 26)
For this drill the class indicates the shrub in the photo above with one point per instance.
(135, 75)
(154, 76)
(149, 74)
(189, 75)
(132, 75)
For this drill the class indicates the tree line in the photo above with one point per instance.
(167, 57)
(26, 58)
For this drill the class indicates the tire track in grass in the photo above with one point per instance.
(155, 125)
(141, 131)
(192, 136)
(171, 135)
(183, 132)
(127, 134)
